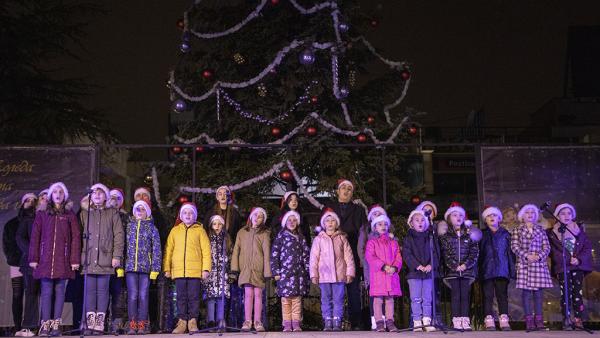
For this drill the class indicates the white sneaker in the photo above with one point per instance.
(24, 333)
(373, 324)
(457, 323)
(466, 324)
(504, 322)
(427, 324)
(489, 323)
(417, 324)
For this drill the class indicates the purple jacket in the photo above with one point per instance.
(582, 251)
(383, 250)
(55, 244)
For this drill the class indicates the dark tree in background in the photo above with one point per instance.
(295, 73)
(38, 105)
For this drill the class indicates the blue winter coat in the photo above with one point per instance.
(143, 247)
(290, 258)
(496, 259)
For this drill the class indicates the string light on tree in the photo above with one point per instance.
(148, 179)
(239, 58)
(184, 47)
(262, 90)
(352, 78)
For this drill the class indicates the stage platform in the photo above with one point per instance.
(365, 334)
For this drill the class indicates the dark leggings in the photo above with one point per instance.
(537, 296)
(459, 296)
(499, 288)
(17, 301)
(575, 280)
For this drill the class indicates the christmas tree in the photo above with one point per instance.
(294, 79)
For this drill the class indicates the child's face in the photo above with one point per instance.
(510, 216)
(29, 203)
(43, 198)
(565, 215)
(418, 223)
(429, 208)
(330, 224)
(217, 226)
(529, 215)
(344, 193)
(293, 202)
(142, 197)
(188, 217)
(222, 196)
(291, 223)
(457, 219)
(115, 201)
(258, 219)
(98, 197)
(381, 227)
(492, 220)
(140, 212)
(58, 195)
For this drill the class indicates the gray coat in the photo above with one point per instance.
(105, 240)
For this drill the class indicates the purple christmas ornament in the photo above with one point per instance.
(179, 106)
(307, 57)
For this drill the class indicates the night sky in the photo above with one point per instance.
(505, 56)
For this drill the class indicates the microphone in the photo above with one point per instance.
(545, 206)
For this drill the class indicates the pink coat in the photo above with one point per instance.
(331, 258)
(382, 251)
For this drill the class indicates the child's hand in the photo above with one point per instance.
(574, 261)
(427, 268)
(421, 268)
(315, 280)
(349, 279)
(74, 267)
(461, 268)
(205, 274)
(167, 274)
(277, 278)
(115, 262)
(533, 258)
(33, 265)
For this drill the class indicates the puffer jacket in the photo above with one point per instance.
(381, 251)
(26, 218)
(415, 252)
(106, 240)
(331, 258)
(459, 250)
(143, 246)
(496, 259)
(215, 286)
(289, 260)
(251, 256)
(187, 252)
(9, 243)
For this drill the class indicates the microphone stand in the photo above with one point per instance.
(566, 292)
(435, 322)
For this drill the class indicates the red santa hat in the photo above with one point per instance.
(327, 213)
(488, 210)
(144, 205)
(343, 181)
(455, 207)
(430, 203)
(28, 196)
(561, 206)
(285, 197)
(60, 185)
(528, 207)
(373, 209)
(254, 213)
(288, 215)
(413, 214)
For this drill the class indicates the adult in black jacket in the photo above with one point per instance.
(496, 268)
(352, 221)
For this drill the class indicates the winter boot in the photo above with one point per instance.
(45, 328)
(504, 322)
(296, 326)
(490, 324)
(578, 323)
(99, 327)
(132, 327)
(55, 330)
(390, 325)
(457, 323)
(380, 326)
(192, 326)
(328, 324)
(287, 326)
(466, 324)
(539, 322)
(337, 324)
(181, 327)
(529, 323)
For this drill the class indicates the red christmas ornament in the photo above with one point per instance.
(370, 120)
(199, 149)
(274, 2)
(275, 131)
(177, 150)
(311, 131)
(286, 175)
(413, 130)
(374, 23)
(415, 200)
(405, 75)
(314, 99)
(183, 199)
(362, 138)
(180, 24)
(207, 74)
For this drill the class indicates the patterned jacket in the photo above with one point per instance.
(531, 275)
(290, 258)
(216, 283)
(143, 247)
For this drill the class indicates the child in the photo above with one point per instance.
(530, 244)
(289, 265)
(187, 261)
(250, 260)
(383, 256)
(578, 252)
(290, 201)
(104, 252)
(216, 288)
(496, 268)
(142, 265)
(460, 254)
(118, 298)
(54, 253)
(331, 266)
(416, 254)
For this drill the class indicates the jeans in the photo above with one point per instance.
(460, 296)
(96, 293)
(137, 295)
(188, 298)
(537, 296)
(211, 304)
(17, 301)
(31, 316)
(52, 287)
(420, 297)
(499, 287)
(575, 280)
(332, 299)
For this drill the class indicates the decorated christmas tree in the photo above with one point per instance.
(284, 92)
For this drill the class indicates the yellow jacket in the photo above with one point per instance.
(187, 252)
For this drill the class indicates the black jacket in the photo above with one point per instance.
(415, 252)
(456, 251)
(26, 218)
(352, 217)
(9, 245)
(496, 259)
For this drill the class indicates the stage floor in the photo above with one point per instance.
(357, 334)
